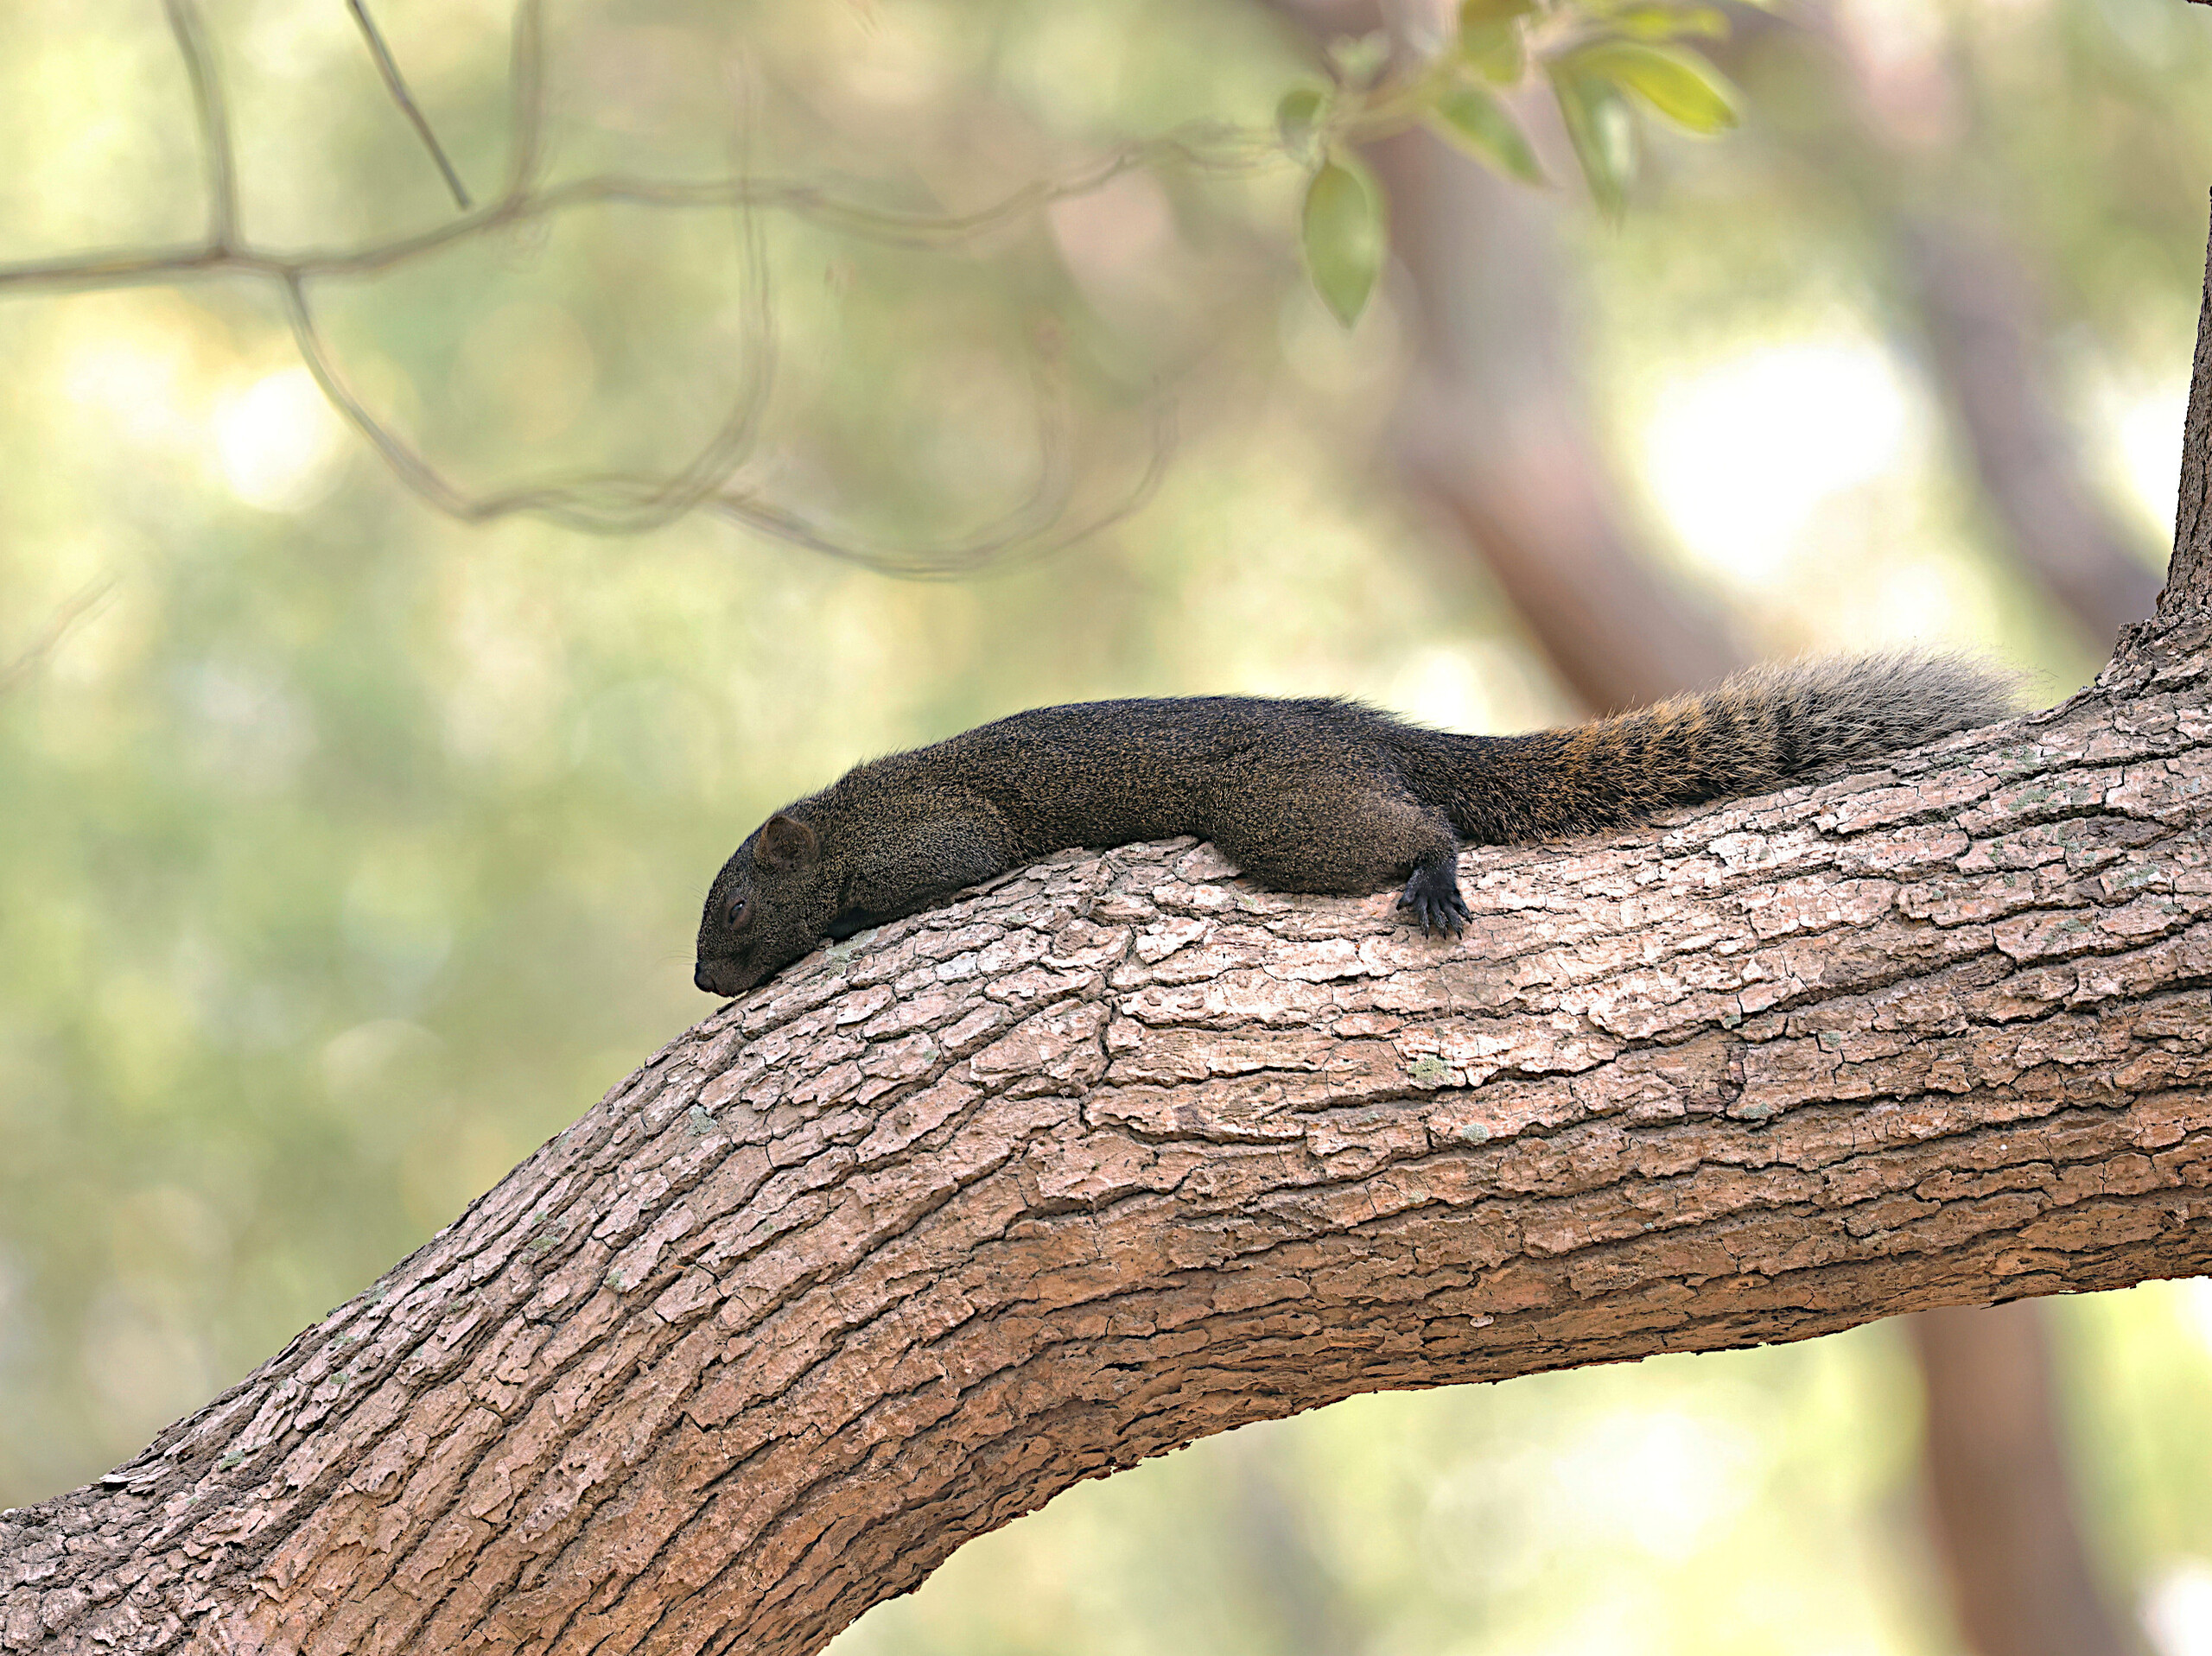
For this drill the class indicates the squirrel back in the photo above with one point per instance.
(1317, 795)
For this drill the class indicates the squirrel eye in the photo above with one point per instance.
(736, 910)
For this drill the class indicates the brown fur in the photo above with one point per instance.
(1303, 796)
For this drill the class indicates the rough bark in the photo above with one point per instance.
(2001, 1509)
(1492, 433)
(1490, 430)
(1122, 1153)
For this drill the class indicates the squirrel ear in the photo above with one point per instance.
(786, 842)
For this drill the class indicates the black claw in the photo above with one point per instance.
(1435, 898)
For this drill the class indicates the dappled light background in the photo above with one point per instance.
(348, 851)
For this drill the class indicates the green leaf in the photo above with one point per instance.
(1598, 125)
(1478, 123)
(1666, 23)
(1342, 231)
(1297, 116)
(1679, 84)
(1496, 50)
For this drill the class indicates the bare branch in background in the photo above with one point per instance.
(1215, 150)
(627, 503)
(398, 87)
(79, 608)
(1033, 529)
(526, 96)
(213, 118)
(616, 504)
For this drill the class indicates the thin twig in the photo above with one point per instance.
(715, 464)
(627, 503)
(526, 94)
(417, 473)
(214, 123)
(1238, 153)
(398, 87)
(87, 601)
(1017, 537)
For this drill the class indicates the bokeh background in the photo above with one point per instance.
(348, 850)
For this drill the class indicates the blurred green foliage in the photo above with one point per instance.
(346, 852)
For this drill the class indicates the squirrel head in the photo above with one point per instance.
(769, 905)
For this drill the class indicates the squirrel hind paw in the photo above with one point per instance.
(1434, 897)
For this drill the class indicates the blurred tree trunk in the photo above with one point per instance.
(1477, 255)
(1984, 332)
(2004, 1506)
(1286, 1580)
(2001, 1505)
(1895, 116)
(1492, 432)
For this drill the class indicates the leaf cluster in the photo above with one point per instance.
(1599, 59)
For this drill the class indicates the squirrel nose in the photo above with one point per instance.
(699, 978)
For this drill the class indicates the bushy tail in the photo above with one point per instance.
(1744, 736)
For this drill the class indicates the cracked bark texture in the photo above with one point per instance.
(1121, 1152)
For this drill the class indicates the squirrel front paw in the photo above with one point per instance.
(1434, 896)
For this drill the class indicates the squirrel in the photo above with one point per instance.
(1321, 795)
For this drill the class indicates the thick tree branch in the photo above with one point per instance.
(2188, 582)
(1121, 1153)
